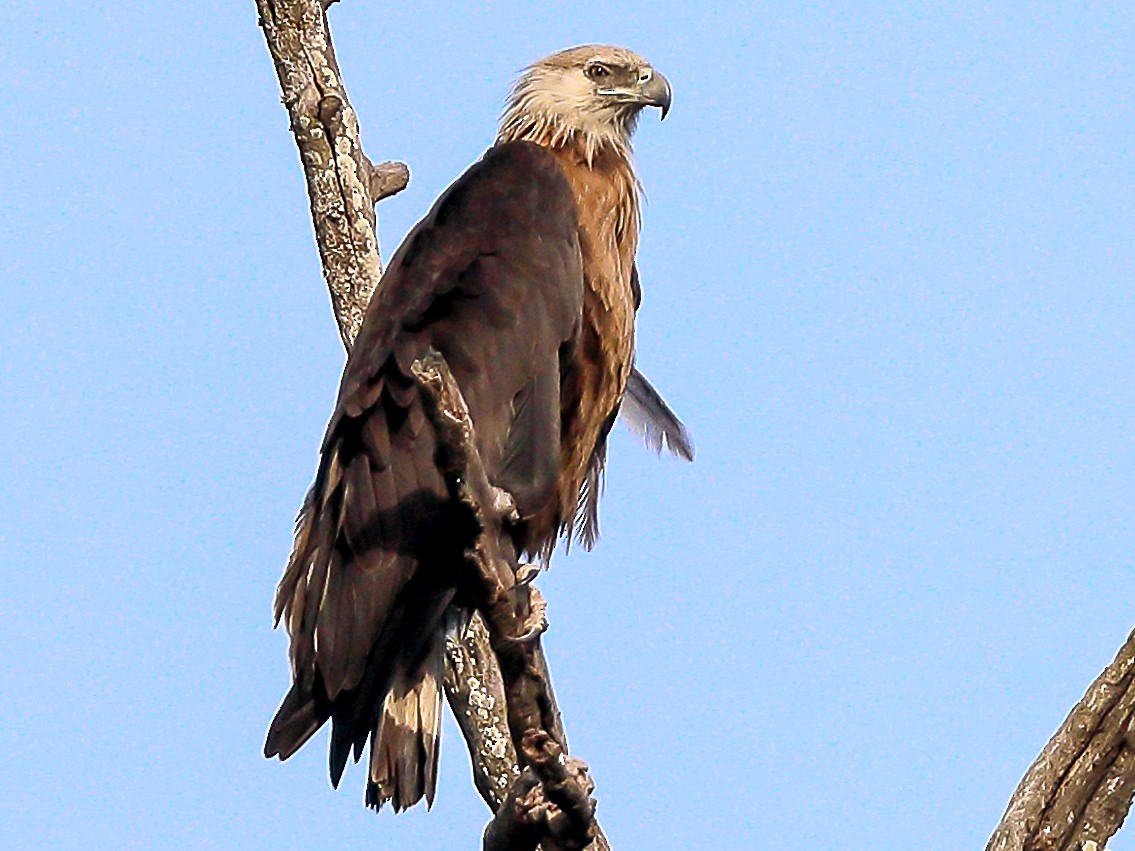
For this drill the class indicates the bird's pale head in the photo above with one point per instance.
(589, 95)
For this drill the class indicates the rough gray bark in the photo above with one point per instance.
(476, 695)
(343, 187)
(342, 184)
(1077, 793)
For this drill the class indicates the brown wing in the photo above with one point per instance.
(491, 278)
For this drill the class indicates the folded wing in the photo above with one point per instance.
(491, 278)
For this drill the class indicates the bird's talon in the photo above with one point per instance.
(537, 620)
(504, 505)
(532, 633)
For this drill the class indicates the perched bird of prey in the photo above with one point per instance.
(522, 276)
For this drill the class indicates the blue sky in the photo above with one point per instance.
(888, 270)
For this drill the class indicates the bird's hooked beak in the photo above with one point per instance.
(654, 90)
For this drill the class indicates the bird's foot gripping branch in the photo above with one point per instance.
(528, 815)
(550, 803)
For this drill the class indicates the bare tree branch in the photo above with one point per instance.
(514, 615)
(340, 178)
(476, 695)
(1079, 790)
(343, 187)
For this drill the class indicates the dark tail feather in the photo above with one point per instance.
(405, 746)
(339, 752)
(648, 415)
(296, 721)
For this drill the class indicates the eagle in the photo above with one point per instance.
(522, 275)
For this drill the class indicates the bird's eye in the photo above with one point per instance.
(598, 71)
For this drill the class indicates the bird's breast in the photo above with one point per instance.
(607, 207)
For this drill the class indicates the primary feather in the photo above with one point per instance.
(646, 413)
